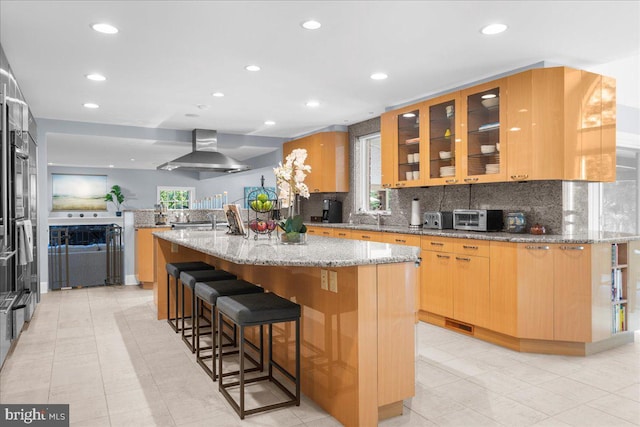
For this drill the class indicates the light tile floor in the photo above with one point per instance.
(102, 351)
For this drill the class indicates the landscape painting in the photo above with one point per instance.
(79, 192)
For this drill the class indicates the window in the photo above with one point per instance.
(370, 196)
(176, 197)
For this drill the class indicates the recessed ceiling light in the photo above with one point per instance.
(379, 76)
(311, 25)
(50, 164)
(488, 96)
(133, 160)
(96, 77)
(105, 28)
(217, 94)
(408, 115)
(203, 106)
(191, 115)
(269, 123)
(111, 166)
(494, 29)
(90, 105)
(312, 103)
(252, 68)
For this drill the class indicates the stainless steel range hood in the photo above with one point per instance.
(205, 156)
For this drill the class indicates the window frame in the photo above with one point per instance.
(362, 177)
(190, 190)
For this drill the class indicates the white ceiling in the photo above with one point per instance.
(169, 56)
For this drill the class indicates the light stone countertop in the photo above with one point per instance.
(580, 238)
(317, 252)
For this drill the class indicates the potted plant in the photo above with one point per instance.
(116, 197)
(290, 179)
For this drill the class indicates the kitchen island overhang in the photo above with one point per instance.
(358, 331)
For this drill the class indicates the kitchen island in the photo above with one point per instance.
(357, 349)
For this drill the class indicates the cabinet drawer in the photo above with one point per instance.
(371, 236)
(326, 232)
(402, 239)
(438, 244)
(313, 230)
(471, 247)
(342, 234)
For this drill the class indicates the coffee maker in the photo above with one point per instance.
(331, 211)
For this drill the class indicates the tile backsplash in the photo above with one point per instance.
(540, 201)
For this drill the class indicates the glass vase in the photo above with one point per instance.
(293, 238)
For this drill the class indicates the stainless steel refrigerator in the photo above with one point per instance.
(19, 279)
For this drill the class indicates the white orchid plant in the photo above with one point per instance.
(290, 180)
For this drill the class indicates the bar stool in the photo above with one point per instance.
(209, 292)
(189, 279)
(173, 270)
(258, 310)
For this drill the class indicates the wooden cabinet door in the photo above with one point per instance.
(326, 232)
(315, 231)
(436, 284)
(572, 293)
(518, 146)
(503, 288)
(471, 297)
(535, 282)
(144, 255)
(328, 156)
(370, 236)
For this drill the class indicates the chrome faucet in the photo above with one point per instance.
(378, 217)
(214, 221)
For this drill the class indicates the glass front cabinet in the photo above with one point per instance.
(402, 147)
(442, 155)
(483, 133)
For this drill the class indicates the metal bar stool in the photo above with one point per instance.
(258, 310)
(189, 279)
(173, 270)
(208, 293)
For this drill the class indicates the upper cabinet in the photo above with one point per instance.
(483, 133)
(542, 124)
(328, 156)
(402, 143)
(561, 125)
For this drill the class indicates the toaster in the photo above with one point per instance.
(437, 220)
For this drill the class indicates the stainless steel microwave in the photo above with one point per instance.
(478, 219)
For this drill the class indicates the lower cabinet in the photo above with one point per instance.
(471, 289)
(535, 290)
(145, 266)
(436, 290)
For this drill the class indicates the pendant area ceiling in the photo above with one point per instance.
(170, 56)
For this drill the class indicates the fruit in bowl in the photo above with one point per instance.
(271, 224)
(262, 197)
(262, 226)
(253, 225)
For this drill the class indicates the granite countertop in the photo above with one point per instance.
(579, 238)
(318, 252)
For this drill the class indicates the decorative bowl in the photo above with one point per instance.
(444, 155)
(491, 102)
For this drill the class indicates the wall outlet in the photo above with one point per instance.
(333, 281)
(324, 280)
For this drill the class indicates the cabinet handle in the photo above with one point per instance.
(451, 181)
(366, 237)
(463, 259)
(514, 177)
(436, 244)
(469, 247)
(443, 256)
(401, 241)
(525, 176)
(470, 179)
(316, 190)
(542, 248)
(572, 248)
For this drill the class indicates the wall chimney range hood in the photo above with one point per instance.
(205, 156)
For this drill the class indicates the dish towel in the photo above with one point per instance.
(25, 242)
